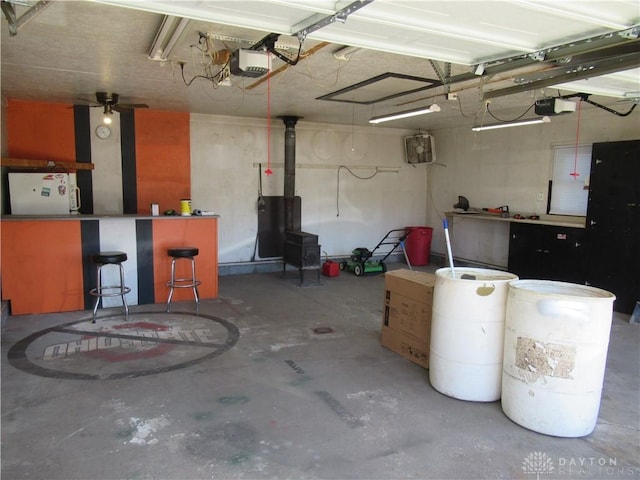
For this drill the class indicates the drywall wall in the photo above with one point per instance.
(225, 156)
(163, 171)
(506, 167)
(106, 156)
(492, 168)
(220, 172)
(3, 125)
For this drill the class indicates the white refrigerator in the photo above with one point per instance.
(43, 193)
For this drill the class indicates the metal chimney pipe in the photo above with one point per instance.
(289, 169)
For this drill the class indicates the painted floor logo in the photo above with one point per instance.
(158, 342)
(537, 463)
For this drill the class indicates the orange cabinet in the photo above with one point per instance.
(42, 266)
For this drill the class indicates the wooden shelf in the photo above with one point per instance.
(28, 163)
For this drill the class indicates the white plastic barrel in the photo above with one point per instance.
(555, 351)
(467, 332)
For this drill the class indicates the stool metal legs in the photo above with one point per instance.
(183, 282)
(110, 291)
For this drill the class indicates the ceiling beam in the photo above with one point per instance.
(16, 23)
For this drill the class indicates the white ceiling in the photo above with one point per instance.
(70, 50)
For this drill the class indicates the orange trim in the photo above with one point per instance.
(38, 279)
(163, 159)
(188, 232)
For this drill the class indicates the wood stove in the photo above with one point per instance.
(302, 251)
(300, 248)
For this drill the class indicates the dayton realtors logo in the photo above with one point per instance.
(537, 463)
(541, 464)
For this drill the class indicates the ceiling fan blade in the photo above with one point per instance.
(86, 100)
(129, 106)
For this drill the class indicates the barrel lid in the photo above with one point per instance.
(476, 274)
(554, 287)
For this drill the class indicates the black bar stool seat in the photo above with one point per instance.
(101, 260)
(186, 253)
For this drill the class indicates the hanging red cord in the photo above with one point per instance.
(268, 170)
(575, 173)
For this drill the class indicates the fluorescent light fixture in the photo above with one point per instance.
(167, 37)
(521, 123)
(405, 114)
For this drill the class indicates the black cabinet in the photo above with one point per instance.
(613, 222)
(547, 252)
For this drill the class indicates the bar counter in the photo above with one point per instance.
(47, 267)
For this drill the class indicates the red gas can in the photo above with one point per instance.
(330, 269)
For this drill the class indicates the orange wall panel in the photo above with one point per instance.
(38, 279)
(163, 159)
(185, 232)
(41, 131)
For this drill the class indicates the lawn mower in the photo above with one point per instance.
(360, 262)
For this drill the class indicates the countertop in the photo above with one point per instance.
(556, 220)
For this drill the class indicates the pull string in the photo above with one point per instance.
(353, 127)
(575, 173)
(268, 171)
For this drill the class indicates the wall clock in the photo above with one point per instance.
(103, 132)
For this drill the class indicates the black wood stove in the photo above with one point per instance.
(300, 249)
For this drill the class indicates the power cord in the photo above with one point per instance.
(513, 119)
(338, 184)
(206, 48)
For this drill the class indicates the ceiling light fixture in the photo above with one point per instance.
(521, 123)
(405, 114)
(108, 112)
(168, 35)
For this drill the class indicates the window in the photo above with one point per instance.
(569, 188)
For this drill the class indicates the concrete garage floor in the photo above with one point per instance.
(305, 392)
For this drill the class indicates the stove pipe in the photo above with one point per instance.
(289, 169)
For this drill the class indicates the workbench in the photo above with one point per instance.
(484, 238)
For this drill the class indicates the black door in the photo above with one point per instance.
(613, 221)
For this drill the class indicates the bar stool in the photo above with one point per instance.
(103, 259)
(187, 253)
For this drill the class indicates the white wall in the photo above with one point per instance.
(3, 126)
(225, 152)
(506, 167)
(106, 156)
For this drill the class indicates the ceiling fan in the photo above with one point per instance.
(111, 103)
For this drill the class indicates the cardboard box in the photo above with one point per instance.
(406, 323)
(409, 347)
(411, 284)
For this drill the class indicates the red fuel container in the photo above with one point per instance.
(330, 269)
